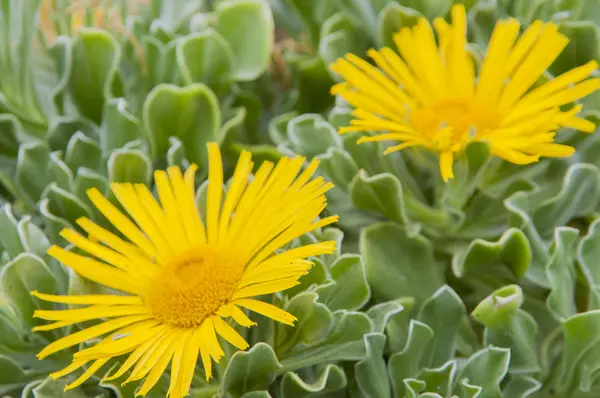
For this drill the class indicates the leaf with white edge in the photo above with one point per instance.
(498, 308)
(521, 387)
(206, 57)
(59, 172)
(126, 165)
(32, 171)
(329, 379)
(561, 274)
(343, 342)
(520, 335)
(578, 196)
(27, 272)
(406, 364)
(381, 313)
(349, 289)
(64, 204)
(64, 128)
(588, 252)
(95, 56)
(12, 376)
(392, 19)
(250, 370)
(398, 264)
(54, 224)
(485, 369)
(50, 388)
(439, 380)
(311, 135)
(482, 257)
(381, 194)
(520, 207)
(190, 113)
(118, 126)
(340, 36)
(10, 241)
(443, 312)
(248, 27)
(370, 372)
(82, 151)
(32, 237)
(85, 180)
(339, 167)
(581, 353)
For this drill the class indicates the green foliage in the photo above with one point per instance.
(488, 286)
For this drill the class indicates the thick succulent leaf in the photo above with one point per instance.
(82, 151)
(406, 363)
(381, 314)
(521, 387)
(398, 263)
(118, 127)
(95, 55)
(191, 113)
(485, 369)
(561, 274)
(129, 165)
(443, 312)
(329, 379)
(349, 289)
(18, 278)
(250, 370)
(370, 372)
(310, 135)
(10, 240)
(207, 58)
(32, 171)
(392, 19)
(339, 36)
(381, 194)
(247, 26)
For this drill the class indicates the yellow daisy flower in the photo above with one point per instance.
(177, 278)
(430, 94)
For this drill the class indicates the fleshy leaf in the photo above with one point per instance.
(250, 370)
(349, 289)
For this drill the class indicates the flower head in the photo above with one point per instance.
(176, 277)
(431, 95)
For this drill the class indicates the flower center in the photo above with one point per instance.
(192, 287)
(451, 123)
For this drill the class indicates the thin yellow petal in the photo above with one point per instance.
(228, 333)
(267, 310)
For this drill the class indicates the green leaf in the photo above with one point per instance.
(349, 289)
(398, 264)
(59, 172)
(521, 387)
(10, 241)
(381, 314)
(314, 83)
(443, 313)
(339, 167)
(85, 180)
(129, 165)
(485, 369)
(64, 128)
(56, 389)
(561, 274)
(54, 224)
(381, 194)
(12, 376)
(439, 380)
(431, 8)
(343, 342)
(406, 363)
(581, 355)
(370, 372)
(18, 278)
(578, 196)
(482, 257)
(118, 126)
(95, 56)
(247, 25)
(311, 135)
(392, 19)
(520, 334)
(250, 370)
(205, 58)
(31, 176)
(499, 307)
(588, 251)
(82, 151)
(191, 113)
(340, 36)
(32, 237)
(328, 380)
(64, 204)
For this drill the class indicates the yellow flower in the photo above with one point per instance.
(176, 278)
(430, 95)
